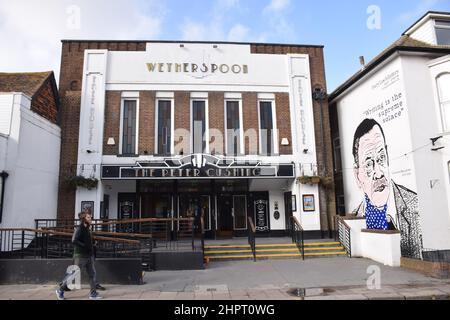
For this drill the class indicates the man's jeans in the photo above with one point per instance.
(82, 262)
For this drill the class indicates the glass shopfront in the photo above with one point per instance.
(224, 204)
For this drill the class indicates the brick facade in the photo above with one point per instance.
(70, 86)
(45, 102)
(70, 81)
(111, 127)
(216, 104)
(283, 122)
(147, 122)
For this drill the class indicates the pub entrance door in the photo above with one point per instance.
(224, 216)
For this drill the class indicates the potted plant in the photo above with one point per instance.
(83, 182)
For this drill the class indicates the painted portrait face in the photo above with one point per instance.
(372, 171)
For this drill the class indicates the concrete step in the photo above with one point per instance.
(230, 252)
(275, 256)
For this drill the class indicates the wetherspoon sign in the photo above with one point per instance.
(212, 68)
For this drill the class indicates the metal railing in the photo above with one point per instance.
(170, 233)
(297, 235)
(53, 244)
(252, 237)
(343, 234)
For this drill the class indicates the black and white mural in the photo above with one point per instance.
(379, 175)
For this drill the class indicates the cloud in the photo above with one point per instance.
(419, 10)
(32, 30)
(215, 29)
(278, 25)
(277, 5)
(238, 33)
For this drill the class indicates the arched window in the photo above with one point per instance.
(443, 85)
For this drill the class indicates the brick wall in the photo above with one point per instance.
(283, 121)
(182, 120)
(147, 122)
(216, 102)
(44, 102)
(70, 82)
(111, 127)
(250, 120)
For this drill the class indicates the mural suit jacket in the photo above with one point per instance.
(407, 205)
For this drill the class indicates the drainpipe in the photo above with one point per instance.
(3, 176)
(320, 95)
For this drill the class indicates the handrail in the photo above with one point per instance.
(297, 234)
(118, 234)
(343, 234)
(252, 237)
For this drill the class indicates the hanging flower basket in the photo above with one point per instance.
(315, 180)
(83, 182)
(309, 180)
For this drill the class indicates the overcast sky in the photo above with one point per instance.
(31, 30)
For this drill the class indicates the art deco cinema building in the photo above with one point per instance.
(171, 127)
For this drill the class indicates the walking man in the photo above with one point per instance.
(83, 255)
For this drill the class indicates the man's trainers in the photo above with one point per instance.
(100, 287)
(59, 294)
(95, 296)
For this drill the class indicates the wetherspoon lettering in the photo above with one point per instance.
(197, 68)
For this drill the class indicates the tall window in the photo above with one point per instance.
(129, 127)
(443, 32)
(443, 84)
(164, 127)
(198, 126)
(234, 130)
(267, 128)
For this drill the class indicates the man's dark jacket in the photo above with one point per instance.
(82, 242)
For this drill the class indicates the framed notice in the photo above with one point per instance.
(308, 203)
(87, 206)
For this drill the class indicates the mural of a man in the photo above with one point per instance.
(386, 205)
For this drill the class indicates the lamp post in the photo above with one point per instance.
(320, 95)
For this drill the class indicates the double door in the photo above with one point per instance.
(232, 213)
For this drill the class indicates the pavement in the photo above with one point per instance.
(337, 278)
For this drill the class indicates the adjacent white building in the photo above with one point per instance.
(30, 141)
(406, 91)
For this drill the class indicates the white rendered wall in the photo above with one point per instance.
(425, 33)
(431, 178)
(442, 182)
(90, 146)
(32, 161)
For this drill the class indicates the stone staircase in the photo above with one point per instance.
(230, 252)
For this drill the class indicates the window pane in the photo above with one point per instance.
(164, 127)
(443, 36)
(129, 127)
(199, 126)
(266, 123)
(233, 128)
(444, 88)
(443, 83)
(443, 23)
